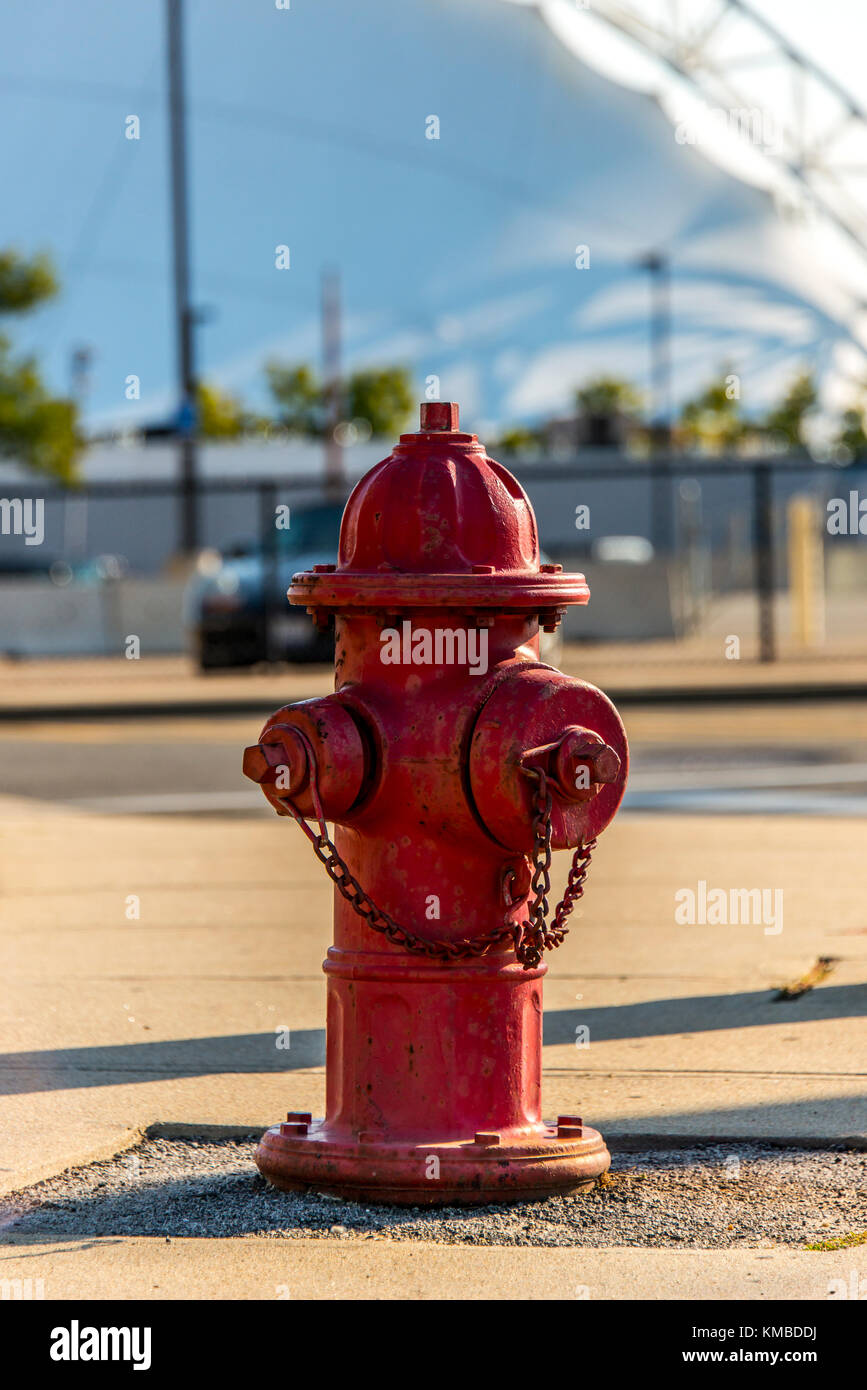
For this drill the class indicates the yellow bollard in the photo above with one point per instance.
(806, 572)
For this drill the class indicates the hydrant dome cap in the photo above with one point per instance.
(438, 521)
(439, 505)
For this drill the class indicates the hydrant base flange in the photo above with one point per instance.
(488, 1168)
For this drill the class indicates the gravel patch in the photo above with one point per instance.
(706, 1197)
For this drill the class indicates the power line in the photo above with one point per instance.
(332, 133)
(104, 198)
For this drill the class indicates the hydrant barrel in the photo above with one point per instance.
(450, 761)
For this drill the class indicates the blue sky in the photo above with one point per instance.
(307, 128)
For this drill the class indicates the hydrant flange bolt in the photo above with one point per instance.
(570, 1127)
(484, 1136)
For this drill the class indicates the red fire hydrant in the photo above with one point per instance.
(451, 762)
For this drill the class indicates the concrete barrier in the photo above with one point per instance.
(39, 618)
(628, 602)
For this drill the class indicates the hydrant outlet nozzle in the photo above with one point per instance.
(583, 760)
(279, 765)
(578, 763)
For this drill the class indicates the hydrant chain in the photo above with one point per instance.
(541, 881)
(529, 940)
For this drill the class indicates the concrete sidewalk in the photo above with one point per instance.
(150, 960)
(113, 1022)
(256, 1268)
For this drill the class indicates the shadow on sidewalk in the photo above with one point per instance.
(703, 1013)
(129, 1063)
(125, 1063)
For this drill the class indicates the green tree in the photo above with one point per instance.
(518, 439)
(852, 438)
(786, 420)
(23, 283)
(299, 397)
(607, 395)
(36, 429)
(383, 398)
(713, 418)
(220, 416)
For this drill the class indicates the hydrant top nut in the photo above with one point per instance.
(439, 415)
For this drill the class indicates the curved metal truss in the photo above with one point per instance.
(728, 54)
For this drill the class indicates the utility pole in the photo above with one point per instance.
(331, 345)
(75, 508)
(188, 526)
(763, 552)
(80, 361)
(657, 263)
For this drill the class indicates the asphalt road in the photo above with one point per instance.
(152, 774)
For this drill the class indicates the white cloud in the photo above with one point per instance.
(699, 302)
(552, 374)
(461, 382)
